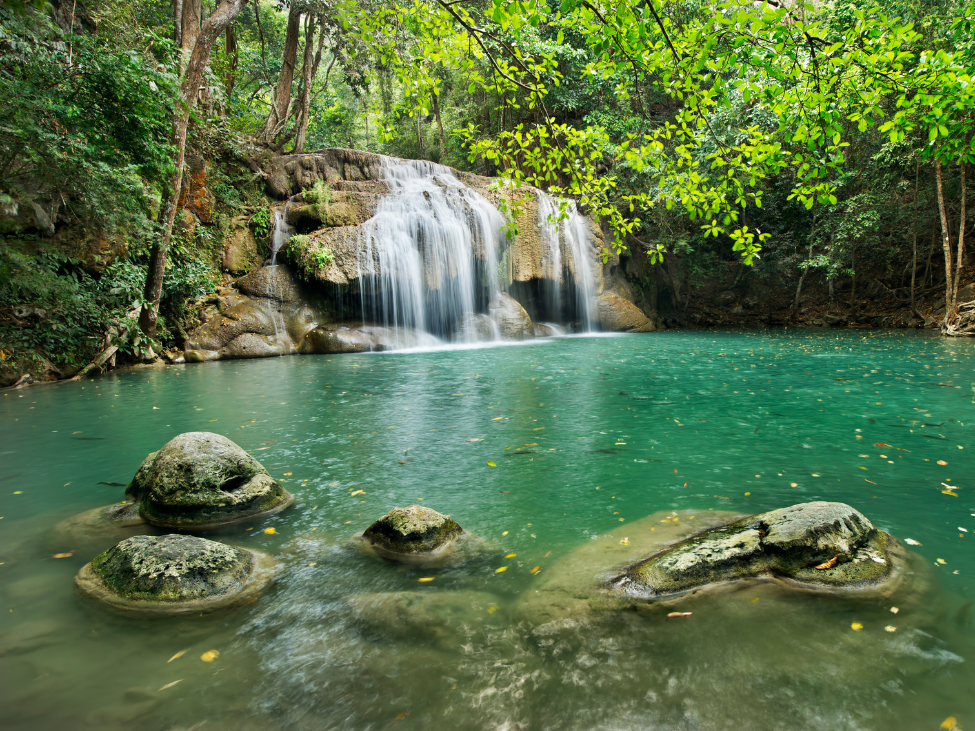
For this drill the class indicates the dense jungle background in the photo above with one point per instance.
(752, 164)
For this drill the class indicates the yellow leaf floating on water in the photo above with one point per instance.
(210, 655)
(497, 418)
(426, 579)
(287, 474)
(894, 610)
(177, 656)
(535, 570)
(511, 555)
(491, 464)
(270, 531)
(793, 484)
(399, 718)
(679, 614)
(625, 542)
(890, 628)
(942, 561)
(500, 570)
(856, 626)
(505, 533)
(942, 462)
(492, 610)
(357, 492)
(170, 685)
(950, 724)
(912, 542)
(313, 563)
(949, 492)
(69, 554)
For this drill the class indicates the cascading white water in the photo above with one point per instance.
(566, 239)
(419, 261)
(283, 231)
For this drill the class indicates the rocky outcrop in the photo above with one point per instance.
(619, 315)
(512, 319)
(201, 480)
(334, 339)
(414, 532)
(818, 544)
(173, 574)
(240, 252)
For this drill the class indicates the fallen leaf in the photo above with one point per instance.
(942, 561)
(793, 484)
(870, 481)
(949, 724)
(881, 444)
(827, 564)
(679, 614)
(399, 718)
(722, 498)
(754, 600)
(492, 610)
(942, 462)
(506, 492)
(491, 464)
(69, 554)
(894, 610)
(547, 554)
(426, 579)
(535, 570)
(478, 439)
(625, 542)
(622, 519)
(270, 531)
(497, 418)
(333, 484)
(504, 534)
(210, 655)
(287, 474)
(357, 492)
(501, 570)
(170, 685)
(856, 626)
(890, 628)
(538, 428)
(177, 656)
(747, 494)
(313, 563)
(912, 542)
(948, 491)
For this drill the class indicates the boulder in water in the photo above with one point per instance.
(620, 315)
(201, 480)
(333, 339)
(817, 545)
(475, 328)
(413, 532)
(173, 574)
(513, 321)
(250, 345)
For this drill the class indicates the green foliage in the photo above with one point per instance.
(319, 196)
(310, 257)
(262, 222)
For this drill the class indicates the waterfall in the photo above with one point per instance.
(283, 232)
(566, 240)
(429, 258)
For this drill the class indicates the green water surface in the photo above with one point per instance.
(587, 436)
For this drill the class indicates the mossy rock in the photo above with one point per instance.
(202, 480)
(93, 530)
(414, 532)
(174, 574)
(815, 545)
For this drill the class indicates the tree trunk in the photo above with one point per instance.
(961, 243)
(230, 46)
(853, 286)
(419, 135)
(277, 118)
(805, 271)
(215, 25)
(945, 240)
(191, 12)
(308, 73)
(917, 171)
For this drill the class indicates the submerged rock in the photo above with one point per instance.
(93, 530)
(437, 616)
(620, 315)
(818, 544)
(414, 532)
(173, 574)
(201, 480)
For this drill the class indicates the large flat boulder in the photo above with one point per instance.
(818, 544)
(620, 315)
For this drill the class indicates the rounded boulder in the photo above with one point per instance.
(414, 532)
(173, 574)
(202, 480)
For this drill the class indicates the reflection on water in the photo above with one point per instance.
(596, 440)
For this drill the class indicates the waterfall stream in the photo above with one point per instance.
(429, 257)
(566, 240)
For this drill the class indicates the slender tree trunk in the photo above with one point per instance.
(961, 243)
(277, 118)
(805, 271)
(225, 14)
(945, 240)
(365, 116)
(309, 72)
(230, 46)
(436, 111)
(419, 134)
(917, 172)
(189, 20)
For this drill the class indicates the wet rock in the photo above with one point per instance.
(725, 298)
(251, 345)
(240, 250)
(512, 319)
(173, 574)
(548, 330)
(201, 480)
(411, 532)
(475, 328)
(787, 544)
(436, 616)
(241, 318)
(333, 339)
(275, 283)
(200, 356)
(620, 315)
(94, 530)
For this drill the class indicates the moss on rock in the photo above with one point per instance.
(201, 480)
(412, 531)
(172, 574)
(788, 544)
